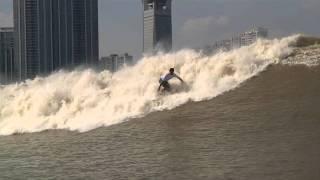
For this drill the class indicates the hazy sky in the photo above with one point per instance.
(197, 22)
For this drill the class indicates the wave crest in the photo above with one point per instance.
(83, 100)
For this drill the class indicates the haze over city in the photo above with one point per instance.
(197, 23)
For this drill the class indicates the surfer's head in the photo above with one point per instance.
(171, 70)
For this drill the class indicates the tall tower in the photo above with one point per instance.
(53, 34)
(157, 25)
(6, 55)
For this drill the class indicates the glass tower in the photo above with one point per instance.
(157, 25)
(53, 34)
(6, 55)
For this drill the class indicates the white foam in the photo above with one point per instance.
(308, 56)
(84, 100)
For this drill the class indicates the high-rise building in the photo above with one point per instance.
(157, 25)
(53, 34)
(124, 59)
(6, 55)
(244, 39)
(115, 62)
(253, 35)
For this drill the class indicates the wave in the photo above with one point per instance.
(83, 100)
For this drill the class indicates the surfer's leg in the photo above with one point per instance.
(167, 86)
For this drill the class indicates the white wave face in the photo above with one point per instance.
(84, 100)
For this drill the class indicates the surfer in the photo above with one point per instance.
(164, 80)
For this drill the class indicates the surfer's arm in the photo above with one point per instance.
(179, 78)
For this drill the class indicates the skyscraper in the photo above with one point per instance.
(115, 62)
(6, 55)
(253, 35)
(52, 34)
(157, 25)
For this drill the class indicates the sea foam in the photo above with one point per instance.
(83, 100)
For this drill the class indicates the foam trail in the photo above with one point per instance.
(84, 100)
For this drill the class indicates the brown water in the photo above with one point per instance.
(269, 128)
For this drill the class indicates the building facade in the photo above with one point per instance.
(7, 71)
(157, 25)
(54, 34)
(115, 62)
(244, 39)
(253, 35)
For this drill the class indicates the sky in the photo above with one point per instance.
(197, 23)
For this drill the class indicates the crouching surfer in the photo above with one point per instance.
(164, 80)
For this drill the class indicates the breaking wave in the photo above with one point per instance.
(84, 99)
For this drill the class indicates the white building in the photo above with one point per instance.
(241, 40)
(115, 62)
(253, 35)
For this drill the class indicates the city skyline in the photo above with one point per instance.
(54, 34)
(194, 28)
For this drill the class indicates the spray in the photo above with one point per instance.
(83, 100)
